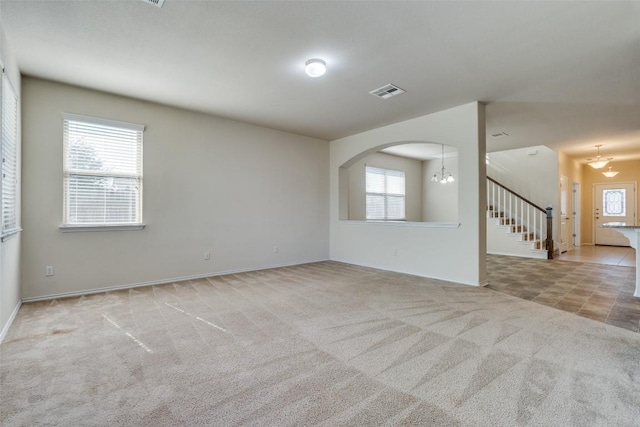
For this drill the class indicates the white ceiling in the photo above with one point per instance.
(562, 74)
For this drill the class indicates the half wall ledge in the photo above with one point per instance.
(401, 223)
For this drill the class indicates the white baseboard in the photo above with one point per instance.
(161, 281)
(414, 273)
(521, 255)
(10, 321)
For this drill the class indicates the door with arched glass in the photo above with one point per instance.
(615, 202)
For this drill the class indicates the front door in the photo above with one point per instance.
(614, 202)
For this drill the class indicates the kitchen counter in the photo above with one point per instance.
(619, 225)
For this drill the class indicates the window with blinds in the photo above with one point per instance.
(385, 190)
(102, 172)
(9, 114)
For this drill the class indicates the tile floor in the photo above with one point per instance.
(599, 291)
(610, 255)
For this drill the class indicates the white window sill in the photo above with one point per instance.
(10, 233)
(71, 228)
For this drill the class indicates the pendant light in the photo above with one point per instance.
(443, 176)
(610, 173)
(597, 163)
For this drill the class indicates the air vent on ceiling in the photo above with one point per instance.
(387, 91)
(157, 3)
(499, 134)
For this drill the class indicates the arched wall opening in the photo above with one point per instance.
(429, 191)
(454, 251)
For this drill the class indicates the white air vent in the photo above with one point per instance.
(387, 91)
(157, 3)
(499, 134)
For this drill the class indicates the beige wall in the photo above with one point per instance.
(573, 171)
(10, 249)
(210, 184)
(413, 184)
(426, 201)
(419, 248)
(532, 173)
(629, 172)
(440, 201)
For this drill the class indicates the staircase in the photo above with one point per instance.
(515, 226)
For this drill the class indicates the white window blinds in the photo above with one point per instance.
(385, 190)
(102, 172)
(9, 154)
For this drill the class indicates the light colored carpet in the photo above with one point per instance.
(317, 344)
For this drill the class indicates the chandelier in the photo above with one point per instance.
(610, 173)
(598, 163)
(443, 176)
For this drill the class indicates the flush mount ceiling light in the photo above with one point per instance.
(598, 163)
(315, 67)
(610, 173)
(443, 176)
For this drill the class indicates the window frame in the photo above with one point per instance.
(386, 194)
(8, 161)
(66, 172)
(606, 202)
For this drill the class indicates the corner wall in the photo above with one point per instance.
(233, 189)
(531, 172)
(10, 248)
(455, 254)
(573, 171)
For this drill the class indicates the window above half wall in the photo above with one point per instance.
(425, 200)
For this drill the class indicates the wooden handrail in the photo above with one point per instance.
(516, 194)
(548, 211)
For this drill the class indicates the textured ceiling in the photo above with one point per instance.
(562, 74)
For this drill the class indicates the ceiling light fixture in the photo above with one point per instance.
(315, 67)
(157, 3)
(444, 176)
(610, 173)
(597, 163)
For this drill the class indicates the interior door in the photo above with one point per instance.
(615, 202)
(564, 214)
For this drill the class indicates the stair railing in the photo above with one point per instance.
(522, 215)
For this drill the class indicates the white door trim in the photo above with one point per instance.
(565, 216)
(577, 200)
(593, 202)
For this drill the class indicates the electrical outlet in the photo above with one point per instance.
(276, 249)
(207, 255)
(48, 270)
(395, 252)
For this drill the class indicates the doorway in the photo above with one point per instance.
(575, 214)
(564, 214)
(615, 202)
